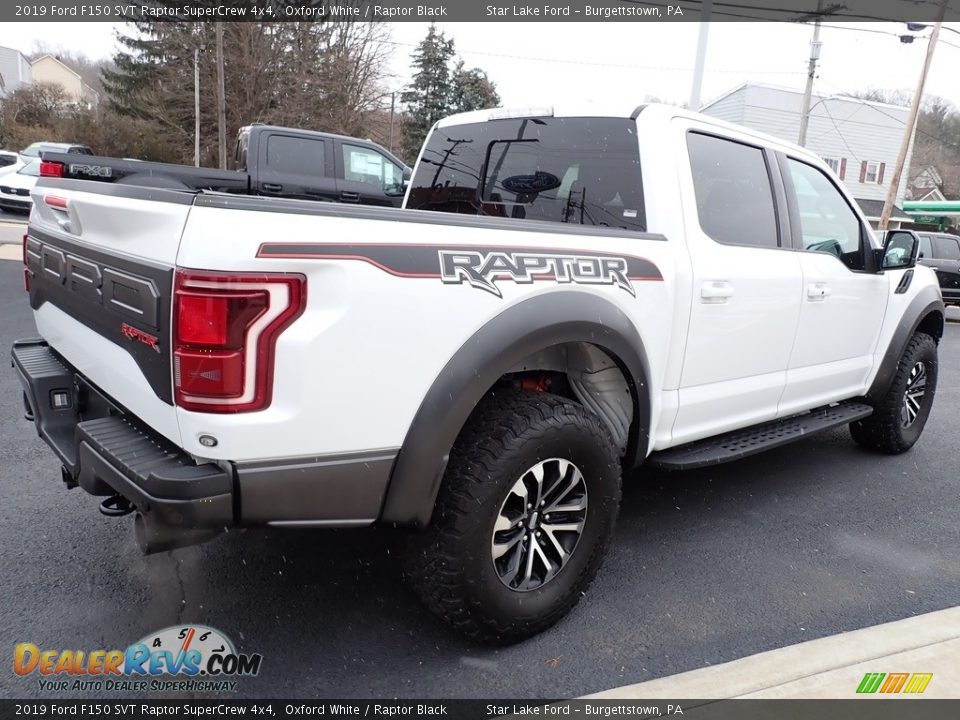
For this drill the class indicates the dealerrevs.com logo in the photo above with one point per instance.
(188, 658)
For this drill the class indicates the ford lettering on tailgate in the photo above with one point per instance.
(118, 298)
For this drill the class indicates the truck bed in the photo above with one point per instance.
(148, 174)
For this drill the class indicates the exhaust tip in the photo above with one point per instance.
(153, 537)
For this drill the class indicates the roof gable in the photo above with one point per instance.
(58, 62)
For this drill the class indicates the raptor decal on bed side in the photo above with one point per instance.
(481, 267)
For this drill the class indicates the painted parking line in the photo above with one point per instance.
(11, 252)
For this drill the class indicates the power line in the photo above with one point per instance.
(889, 33)
(845, 144)
(660, 68)
(867, 103)
(772, 11)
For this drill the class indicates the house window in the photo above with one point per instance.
(871, 172)
(838, 165)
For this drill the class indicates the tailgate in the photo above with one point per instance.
(101, 260)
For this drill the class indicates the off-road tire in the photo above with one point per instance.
(883, 430)
(451, 565)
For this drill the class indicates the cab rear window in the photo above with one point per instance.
(583, 171)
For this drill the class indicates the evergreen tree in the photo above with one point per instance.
(441, 86)
(428, 96)
(472, 90)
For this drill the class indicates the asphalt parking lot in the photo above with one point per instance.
(803, 542)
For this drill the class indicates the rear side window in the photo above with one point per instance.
(583, 171)
(732, 186)
(946, 248)
(295, 155)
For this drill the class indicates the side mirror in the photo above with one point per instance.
(407, 173)
(900, 250)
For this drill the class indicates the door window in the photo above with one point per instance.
(364, 165)
(946, 248)
(925, 250)
(295, 155)
(827, 222)
(732, 186)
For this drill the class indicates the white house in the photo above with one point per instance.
(50, 69)
(15, 71)
(926, 185)
(859, 139)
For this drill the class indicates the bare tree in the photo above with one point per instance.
(322, 76)
(35, 104)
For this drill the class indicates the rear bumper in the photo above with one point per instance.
(107, 453)
(8, 202)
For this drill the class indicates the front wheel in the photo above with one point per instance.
(899, 416)
(523, 519)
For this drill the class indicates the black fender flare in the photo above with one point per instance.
(529, 326)
(925, 309)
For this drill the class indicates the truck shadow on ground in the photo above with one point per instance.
(341, 595)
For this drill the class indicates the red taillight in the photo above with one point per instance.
(225, 331)
(51, 169)
(210, 374)
(220, 320)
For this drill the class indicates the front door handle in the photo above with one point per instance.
(347, 196)
(715, 292)
(818, 291)
(272, 187)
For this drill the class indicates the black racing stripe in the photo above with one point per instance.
(423, 261)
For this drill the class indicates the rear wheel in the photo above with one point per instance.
(523, 519)
(899, 417)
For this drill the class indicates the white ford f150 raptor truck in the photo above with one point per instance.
(564, 298)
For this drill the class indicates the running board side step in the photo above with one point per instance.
(752, 440)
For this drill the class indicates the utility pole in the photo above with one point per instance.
(811, 74)
(196, 107)
(911, 122)
(705, 10)
(198, 48)
(393, 103)
(221, 101)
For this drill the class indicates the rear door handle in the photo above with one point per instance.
(347, 196)
(818, 291)
(272, 187)
(715, 292)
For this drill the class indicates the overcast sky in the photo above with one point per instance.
(543, 63)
